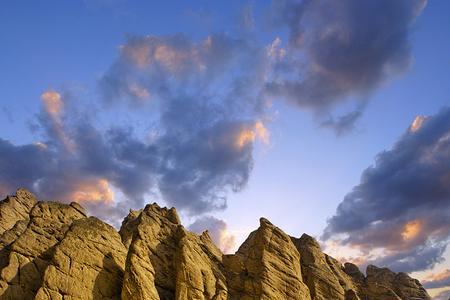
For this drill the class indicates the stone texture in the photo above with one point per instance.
(50, 250)
(129, 225)
(383, 284)
(266, 266)
(87, 264)
(150, 270)
(15, 208)
(199, 269)
(353, 271)
(317, 274)
(24, 261)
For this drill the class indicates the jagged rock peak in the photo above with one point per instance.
(170, 214)
(50, 250)
(15, 208)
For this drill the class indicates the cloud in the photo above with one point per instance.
(98, 190)
(218, 231)
(52, 118)
(402, 204)
(445, 295)
(250, 134)
(341, 49)
(343, 124)
(209, 99)
(420, 257)
(21, 165)
(210, 112)
(74, 162)
(53, 104)
(438, 280)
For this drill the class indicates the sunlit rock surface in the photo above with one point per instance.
(51, 250)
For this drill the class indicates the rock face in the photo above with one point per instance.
(266, 266)
(322, 274)
(51, 250)
(88, 263)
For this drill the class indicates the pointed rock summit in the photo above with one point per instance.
(51, 250)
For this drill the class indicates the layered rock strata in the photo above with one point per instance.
(50, 250)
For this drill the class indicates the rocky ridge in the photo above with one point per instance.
(52, 250)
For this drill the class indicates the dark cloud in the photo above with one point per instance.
(217, 229)
(420, 257)
(402, 204)
(339, 49)
(22, 165)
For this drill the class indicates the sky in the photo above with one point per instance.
(326, 117)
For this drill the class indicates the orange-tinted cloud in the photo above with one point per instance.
(411, 230)
(437, 280)
(417, 123)
(54, 106)
(438, 276)
(143, 52)
(53, 103)
(92, 191)
(249, 135)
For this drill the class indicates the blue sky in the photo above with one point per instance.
(297, 179)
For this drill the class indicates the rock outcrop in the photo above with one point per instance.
(266, 266)
(50, 250)
(89, 259)
(322, 274)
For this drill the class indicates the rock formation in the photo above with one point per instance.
(51, 250)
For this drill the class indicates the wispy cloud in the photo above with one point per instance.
(437, 280)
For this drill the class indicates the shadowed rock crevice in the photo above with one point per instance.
(51, 250)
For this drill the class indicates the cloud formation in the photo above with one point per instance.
(445, 295)
(343, 124)
(206, 95)
(218, 231)
(402, 202)
(211, 111)
(341, 49)
(438, 280)
(73, 162)
(209, 99)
